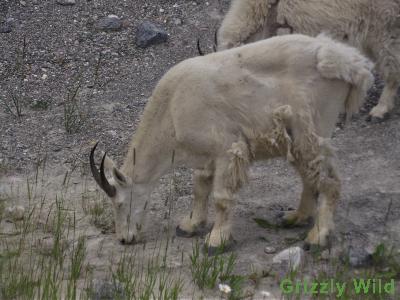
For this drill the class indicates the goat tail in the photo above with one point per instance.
(339, 61)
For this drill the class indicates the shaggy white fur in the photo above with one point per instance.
(219, 113)
(371, 26)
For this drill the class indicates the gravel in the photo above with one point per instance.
(65, 49)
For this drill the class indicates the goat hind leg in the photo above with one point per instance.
(329, 190)
(314, 160)
(386, 101)
(197, 219)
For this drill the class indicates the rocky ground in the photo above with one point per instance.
(70, 77)
(64, 49)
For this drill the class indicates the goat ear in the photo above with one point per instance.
(119, 177)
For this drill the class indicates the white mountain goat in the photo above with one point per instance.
(220, 112)
(369, 25)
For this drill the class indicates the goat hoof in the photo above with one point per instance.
(283, 222)
(306, 246)
(316, 248)
(223, 248)
(377, 120)
(182, 233)
(312, 248)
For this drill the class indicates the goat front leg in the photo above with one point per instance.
(386, 101)
(230, 174)
(193, 223)
(223, 200)
(220, 238)
(306, 210)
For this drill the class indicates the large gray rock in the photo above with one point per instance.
(109, 23)
(148, 34)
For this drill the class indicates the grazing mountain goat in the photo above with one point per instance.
(369, 25)
(220, 112)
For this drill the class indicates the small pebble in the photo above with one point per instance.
(66, 2)
(46, 245)
(326, 255)
(270, 250)
(177, 21)
(357, 257)
(290, 258)
(109, 23)
(15, 213)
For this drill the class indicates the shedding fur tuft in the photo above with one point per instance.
(280, 133)
(239, 163)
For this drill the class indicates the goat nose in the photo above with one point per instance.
(122, 241)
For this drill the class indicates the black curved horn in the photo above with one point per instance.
(93, 168)
(105, 185)
(100, 177)
(201, 53)
(215, 47)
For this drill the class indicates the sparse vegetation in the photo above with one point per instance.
(74, 118)
(3, 167)
(99, 210)
(13, 100)
(386, 262)
(49, 261)
(13, 104)
(265, 224)
(33, 267)
(2, 207)
(207, 271)
(145, 279)
(40, 105)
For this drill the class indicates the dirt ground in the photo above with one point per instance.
(63, 49)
